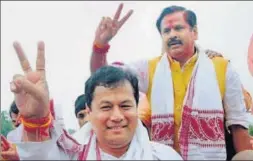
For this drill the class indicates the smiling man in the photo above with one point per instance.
(114, 131)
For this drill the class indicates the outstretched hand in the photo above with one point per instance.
(8, 150)
(109, 27)
(31, 90)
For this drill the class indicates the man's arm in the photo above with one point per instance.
(97, 61)
(235, 110)
(241, 138)
(247, 97)
(32, 99)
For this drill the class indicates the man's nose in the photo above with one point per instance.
(117, 115)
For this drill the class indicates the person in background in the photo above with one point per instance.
(82, 116)
(81, 111)
(14, 115)
(13, 112)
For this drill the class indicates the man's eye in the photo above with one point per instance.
(81, 116)
(166, 30)
(178, 28)
(125, 106)
(105, 108)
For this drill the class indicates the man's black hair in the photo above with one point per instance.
(80, 104)
(191, 17)
(13, 109)
(110, 77)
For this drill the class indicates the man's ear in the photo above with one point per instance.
(87, 108)
(195, 32)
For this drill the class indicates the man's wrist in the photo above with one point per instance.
(99, 48)
(37, 129)
(36, 135)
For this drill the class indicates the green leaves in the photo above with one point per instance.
(251, 130)
(6, 124)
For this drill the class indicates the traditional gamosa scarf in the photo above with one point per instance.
(201, 134)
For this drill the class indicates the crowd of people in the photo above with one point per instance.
(188, 103)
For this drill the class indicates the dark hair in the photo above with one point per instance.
(191, 17)
(110, 77)
(13, 109)
(80, 104)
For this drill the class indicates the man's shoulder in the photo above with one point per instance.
(218, 61)
(155, 59)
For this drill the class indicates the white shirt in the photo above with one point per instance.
(16, 134)
(50, 150)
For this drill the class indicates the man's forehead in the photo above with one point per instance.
(123, 86)
(109, 95)
(179, 16)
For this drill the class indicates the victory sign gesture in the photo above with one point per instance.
(108, 27)
(31, 90)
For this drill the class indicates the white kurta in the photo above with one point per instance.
(15, 135)
(52, 150)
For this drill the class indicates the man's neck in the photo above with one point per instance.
(116, 152)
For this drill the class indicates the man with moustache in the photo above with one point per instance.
(192, 97)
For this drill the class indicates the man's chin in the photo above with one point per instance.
(174, 53)
(118, 142)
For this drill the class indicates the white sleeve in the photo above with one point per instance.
(12, 135)
(16, 134)
(46, 150)
(140, 68)
(164, 152)
(235, 109)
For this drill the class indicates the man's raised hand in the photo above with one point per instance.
(31, 90)
(109, 27)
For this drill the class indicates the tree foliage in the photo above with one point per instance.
(6, 124)
(251, 130)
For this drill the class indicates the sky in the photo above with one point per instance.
(68, 30)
